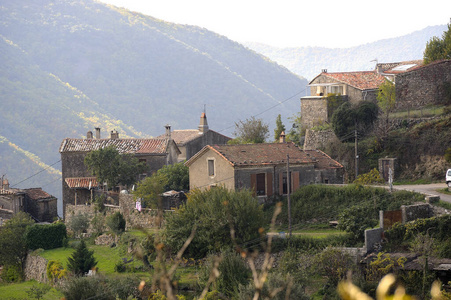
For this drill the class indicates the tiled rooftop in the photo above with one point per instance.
(183, 136)
(37, 193)
(271, 154)
(141, 146)
(81, 182)
(365, 80)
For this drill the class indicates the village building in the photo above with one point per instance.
(262, 168)
(191, 141)
(40, 205)
(78, 183)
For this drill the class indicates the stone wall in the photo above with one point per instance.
(313, 111)
(416, 211)
(318, 139)
(423, 86)
(36, 268)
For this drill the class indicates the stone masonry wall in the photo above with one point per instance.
(315, 139)
(314, 111)
(423, 86)
(36, 268)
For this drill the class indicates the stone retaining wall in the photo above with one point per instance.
(36, 268)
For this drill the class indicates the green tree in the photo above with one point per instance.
(82, 260)
(214, 212)
(79, 223)
(386, 100)
(13, 245)
(437, 49)
(296, 132)
(116, 223)
(150, 189)
(251, 131)
(177, 176)
(279, 128)
(113, 168)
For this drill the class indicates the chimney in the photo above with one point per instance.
(282, 137)
(324, 71)
(89, 135)
(168, 131)
(98, 133)
(5, 184)
(203, 125)
(114, 135)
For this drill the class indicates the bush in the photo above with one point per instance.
(46, 236)
(11, 273)
(55, 271)
(82, 260)
(357, 219)
(79, 223)
(214, 212)
(90, 287)
(233, 271)
(116, 223)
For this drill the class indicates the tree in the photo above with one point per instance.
(79, 223)
(150, 190)
(386, 99)
(296, 132)
(116, 223)
(251, 131)
(113, 168)
(177, 176)
(437, 49)
(13, 245)
(214, 212)
(279, 128)
(82, 260)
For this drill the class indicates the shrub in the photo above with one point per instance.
(98, 224)
(37, 291)
(334, 263)
(46, 236)
(116, 222)
(357, 219)
(371, 177)
(79, 223)
(233, 271)
(55, 270)
(90, 287)
(11, 273)
(82, 260)
(120, 267)
(214, 212)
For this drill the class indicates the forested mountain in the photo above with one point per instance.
(71, 65)
(309, 61)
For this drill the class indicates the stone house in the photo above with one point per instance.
(191, 141)
(34, 201)
(262, 168)
(78, 182)
(350, 86)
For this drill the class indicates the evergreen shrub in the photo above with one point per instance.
(46, 236)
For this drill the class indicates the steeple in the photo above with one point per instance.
(203, 125)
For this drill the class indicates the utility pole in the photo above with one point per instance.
(356, 155)
(288, 195)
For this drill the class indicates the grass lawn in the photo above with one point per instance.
(315, 231)
(19, 291)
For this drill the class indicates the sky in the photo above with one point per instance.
(299, 23)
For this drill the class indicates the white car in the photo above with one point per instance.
(448, 177)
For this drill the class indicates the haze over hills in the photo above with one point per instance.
(70, 65)
(309, 61)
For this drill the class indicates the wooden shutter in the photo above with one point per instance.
(281, 183)
(295, 180)
(269, 184)
(254, 184)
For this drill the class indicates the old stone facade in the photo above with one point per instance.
(261, 168)
(34, 201)
(423, 85)
(191, 141)
(78, 182)
(318, 139)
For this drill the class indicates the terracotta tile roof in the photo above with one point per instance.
(269, 154)
(81, 182)
(141, 146)
(364, 80)
(37, 194)
(401, 67)
(181, 137)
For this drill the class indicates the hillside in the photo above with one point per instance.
(309, 61)
(70, 65)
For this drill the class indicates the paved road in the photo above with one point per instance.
(428, 189)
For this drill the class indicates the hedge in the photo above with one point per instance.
(47, 236)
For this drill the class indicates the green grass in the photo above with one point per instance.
(315, 231)
(19, 291)
(420, 113)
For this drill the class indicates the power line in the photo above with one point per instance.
(268, 109)
(36, 173)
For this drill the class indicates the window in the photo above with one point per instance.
(261, 184)
(285, 184)
(211, 167)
